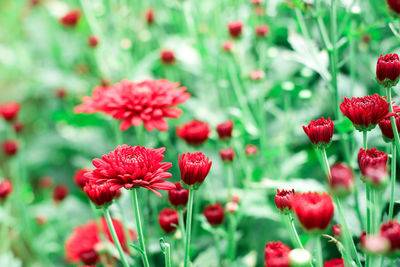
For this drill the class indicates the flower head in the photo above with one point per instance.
(235, 29)
(60, 93)
(149, 15)
(71, 18)
(18, 126)
(5, 189)
(231, 207)
(148, 102)
(388, 70)
(227, 154)
(282, 199)
(80, 178)
(100, 194)
(386, 127)
(167, 57)
(214, 214)
(60, 192)
(337, 230)
(168, 220)
(276, 254)
(370, 161)
(365, 112)
(228, 46)
(374, 244)
(178, 196)
(194, 133)
(46, 182)
(394, 5)
(313, 210)
(194, 168)
(334, 263)
(257, 75)
(320, 132)
(391, 231)
(129, 167)
(93, 41)
(300, 257)
(262, 30)
(224, 129)
(341, 182)
(9, 110)
(250, 150)
(10, 147)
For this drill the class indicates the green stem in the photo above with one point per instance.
(392, 119)
(115, 237)
(217, 248)
(393, 181)
(333, 57)
(230, 179)
(181, 226)
(318, 251)
(188, 227)
(231, 250)
(326, 163)
(293, 230)
(139, 227)
(365, 139)
(167, 255)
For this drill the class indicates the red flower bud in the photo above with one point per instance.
(214, 214)
(10, 147)
(231, 207)
(374, 244)
(320, 132)
(251, 150)
(227, 154)
(256, 2)
(71, 18)
(262, 30)
(282, 200)
(5, 189)
(10, 110)
(313, 210)
(46, 182)
(18, 126)
(167, 57)
(178, 197)
(257, 75)
(194, 168)
(149, 16)
(235, 199)
(391, 231)
(80, 178)
(60, 192)
(336, 230)
(388, 70)
(276, 254)
(194, 133)
(235, 29)
(228, 46)
(342, 179)
(60, 93)
(394, 5)
(168, 220)
(100, 194)
(386, 127)
(224, 129)
(334, 263)
(370, 160)
(93, 41)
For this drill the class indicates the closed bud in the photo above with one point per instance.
(299, 257)
(214, 214)
(227, 154)
(342, 180)
(168, 220)
(388, 70)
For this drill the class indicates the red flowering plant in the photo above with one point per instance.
(168, 220)
(320, 132)
(388, 70)
(194, 132)
(342, 181)
(282, 200)
(276, 254)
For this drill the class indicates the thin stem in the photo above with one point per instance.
(230, 179)
(326, 163)
(365, 139)
(333, 57)
(181, 226)
(293, 230)
(115, 237)
(231, 250)
(139, 227)
(167, 255)
(318, 251)
(188, 227)
(393, 181)
(392, 119)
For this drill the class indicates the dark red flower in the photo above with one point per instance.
(194, 168)
(71, 18)
(178, 197)
(46, 182)
(377, 176)
(320, 132)
(334, 263)
(374, 244)
(149, 14)
(235, 28)
(257, 75)
(262, 30)
(394, 5)
(231, 207)
(336, 230)
(365, 112)
(194, 133)
(93, 41)
(100, 194)
(251, 150)
(276, 254)
(342, 179)
(214, 214)
(149, 101)
(18, 126)
(313, 210)
(371, 158)
(167, 56)
(60, 93)
(224, 129)
(228, 46)
(5, 188)
(386, 126)
(227, 154)
(80, 178)
(256, 2)
(60, 192)
(10, 147)
(168, 220)
(388, 70)
(283, 198)
(130, 167)
(10, 110)
(391, 231)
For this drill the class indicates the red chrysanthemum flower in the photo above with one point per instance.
(257, 75)
(365, 112)
(80, 178)
(9, 110)
(334, 263)
(46, 182)
(167, 57)
(168, 220)
(371, 159)
(130, 167)
(320, 132)
(178, 197)
(71, 18)
(313, 210)
(276, 254)
(235, 29)
(194, 168)
(228, 46)
(18, 126)
(256, 2)
(342, 179)
(394, 5)
(391, 231)
(386, 127)
(224, 129)
(388, 70)
(337, 230)
(283, 198)
(149, 15)
(5, 189)
(194, 133)
(100, 194)
(214, 214)
(10, 147)
(374, 244)
(93, 41)
(251, 150)
(262, 30)
(60, 192)
(60, 93)
(149, 101)
(227, 154)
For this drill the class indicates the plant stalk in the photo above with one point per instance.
(188, 227)
(139, 227)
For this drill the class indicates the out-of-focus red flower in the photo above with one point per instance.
(60, 93)
(251, 150)
(366, 38)
(256, 2)
(178, 197)
(194, 132)
(388, 70)
(394, 5)
(320, 132)
(371, 158)
(46, 182)
(41, 219)
(93, 41)
(100, 194)
(334, 263)
(283, 198)
(149, 15)
(168, 220)
(10, 110)
(71, 19)
(386, 127)
(167, 57)
(342, 179)
(227, 154)
(18, 126)
(377, 176)
(336, 230)
(235, 199)
(214, 214)
(257, 75)
(79, 177)
(5, 189)
(276, 254)
(10, 147)
(194, 168)
(235, 29)
(228, 46)
(262, 30)
(374, 244)
(60, 192)
(231, 207)
(391, 231)
(131, 167)
(224, 129)
(33, 3)
(149, 101)
(365, 112)
(313, 210)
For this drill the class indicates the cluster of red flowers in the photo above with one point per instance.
(386, 242)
